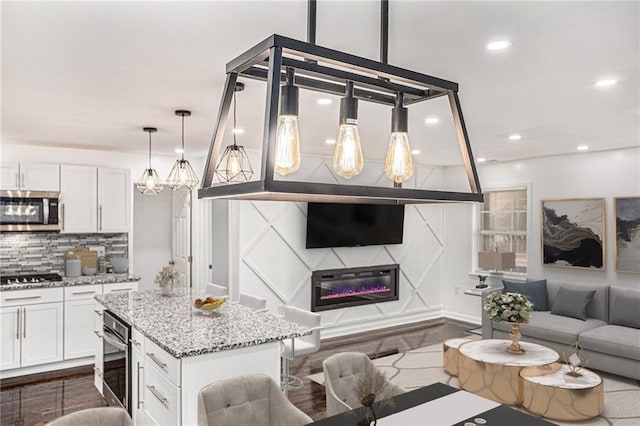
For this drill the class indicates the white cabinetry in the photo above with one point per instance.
(79, 199)
(95, 199)
(32, 327)
(99, 358)
(137, 377)
(79, 324)
(113, 200)
(29, 176)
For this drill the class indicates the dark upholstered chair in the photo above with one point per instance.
(254, 400)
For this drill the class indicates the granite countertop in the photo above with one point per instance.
(68, 282)
(171, 322)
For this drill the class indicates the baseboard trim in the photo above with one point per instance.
(38, 370)
(463, 317)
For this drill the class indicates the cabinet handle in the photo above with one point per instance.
(155, 393)
(155, 359)
(97, 334)
(63, 219)
(135, 342)
(100, 218)
(98, 313)
(83, 292)
(9, 299)
(138, 390)
(24, 323)
(98, 372)
(120, 289)
(18, 325)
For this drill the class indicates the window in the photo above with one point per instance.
(503, 224)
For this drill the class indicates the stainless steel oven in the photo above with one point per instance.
(117, 366)
(29, 211)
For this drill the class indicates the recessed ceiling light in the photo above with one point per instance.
(515, 137)
(324, 101)
(481, 159)
(583, 147)
(605, 82)
(179, 150)
(415, 152)
(330, 141)
(238, 131)
(498, 45)
(432, 120)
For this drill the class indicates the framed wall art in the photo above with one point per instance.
(627, 210)
(573, 233)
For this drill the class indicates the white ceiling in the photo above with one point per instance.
(92, 74)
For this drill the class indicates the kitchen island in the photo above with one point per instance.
(176, 351)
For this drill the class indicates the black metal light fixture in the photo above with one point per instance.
(182, 176)
(149, 183)
(287, 137)
(234, 164)
(347, 153)
(320, 69)
(398, 165)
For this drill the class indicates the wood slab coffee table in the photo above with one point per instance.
(487, 369)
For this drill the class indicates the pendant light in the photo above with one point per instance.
(347, 154)
(149, 183)
(182, 176)
(287, 138)
(234, 164)
(399, 164)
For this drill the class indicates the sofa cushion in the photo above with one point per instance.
(598, 307)
(623, 307)
(572, 303)
(546, 326)
(536, 291)
(613, 340)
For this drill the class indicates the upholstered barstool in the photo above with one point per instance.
(253, 302)
(252, 400)
(100, 416)
(341, 375)
(300, 345)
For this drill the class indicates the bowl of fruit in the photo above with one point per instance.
(207, 304)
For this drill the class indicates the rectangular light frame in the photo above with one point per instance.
(326, 70)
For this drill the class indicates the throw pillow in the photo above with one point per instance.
(536, 291)
(623, 307)
(572, 303)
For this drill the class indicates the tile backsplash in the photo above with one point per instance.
(36, 252)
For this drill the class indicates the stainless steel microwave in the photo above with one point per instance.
(29, 211)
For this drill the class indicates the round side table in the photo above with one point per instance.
(450, 354)
(487, 369)
(548, 392)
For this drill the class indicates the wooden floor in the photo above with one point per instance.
(39, 400)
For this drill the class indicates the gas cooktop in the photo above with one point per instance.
(28, 278)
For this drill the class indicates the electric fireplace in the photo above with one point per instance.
(341, 288)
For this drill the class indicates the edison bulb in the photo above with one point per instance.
(182, 174)
(399, 164)
(151, 182)
(347, 154)
(233, 165)
(287, 145)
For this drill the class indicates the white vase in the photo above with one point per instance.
(165, 290)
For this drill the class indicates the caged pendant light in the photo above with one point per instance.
(306, 66)
(182, 176)
(234, 164)
(149, 183)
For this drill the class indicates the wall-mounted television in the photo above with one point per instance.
(352, 225)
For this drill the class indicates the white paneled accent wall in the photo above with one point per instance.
(273, 262)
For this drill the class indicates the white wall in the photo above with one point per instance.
(22, 152)
(267, 244)
(587, 175)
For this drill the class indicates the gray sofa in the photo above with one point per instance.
(609, 346)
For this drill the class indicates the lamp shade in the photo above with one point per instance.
(495, 260)
(234, 165)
